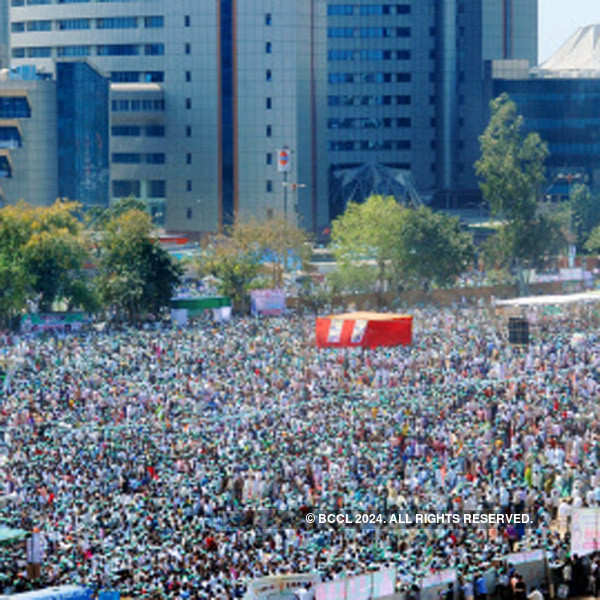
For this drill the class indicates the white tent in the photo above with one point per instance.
(550, 299)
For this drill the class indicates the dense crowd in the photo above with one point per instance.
(179, 463)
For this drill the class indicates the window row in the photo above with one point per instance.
(137, 105)
(368, 123)
(356, 100)
(102, 50)
(137, 76)
(134, 158)
(37, 2)
(148, 22)
(368, 54)
(136, 130)
(368, 32)
(366, 10)
(123, 188)
(353, 145)
(368, 77)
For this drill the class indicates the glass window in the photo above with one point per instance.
(188, 158)
(154, 76)
(125, 130)
(188, 213)
(73, 51)
(269, 103)
(17, 27)
(269, 158)
(67, 24)
(17, 3)
(268, 48)
(188, 131)
(188, 76)
(154, 21)
(154, 49)
(39, 25)
(117, 23)
(268, 75)
(39, 52)
(187, 21)
(155, 158)
(269, 130)
(118, 50)
(188, 103)
(188, 185)
(155, 130)
(125, 76)
(268, 19)
(129, 158)
(158, 188)
(340, 9)
(188, 48)
(123, 188)
(14, 108)
(269, 186)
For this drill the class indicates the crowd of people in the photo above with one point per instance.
(180, 463)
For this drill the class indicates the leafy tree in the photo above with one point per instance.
(50, 248)
(434, 249)
(98, 217)
(15, 281)
(593, 242)
(585, 213)
(511, 169)
(235, 269)
(369, 231)
(136, 275)
(276, 239)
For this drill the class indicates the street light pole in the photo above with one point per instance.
(285, 187)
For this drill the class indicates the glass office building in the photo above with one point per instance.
(83, 169)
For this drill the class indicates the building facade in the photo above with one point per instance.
(82, 124)
(338, 84)
(562, 107)
(238, 79)
(28, 138)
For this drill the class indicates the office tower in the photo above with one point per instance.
(204, 94)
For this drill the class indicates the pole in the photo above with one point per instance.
(285, 195)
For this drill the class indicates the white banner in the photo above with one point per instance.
(585, 533)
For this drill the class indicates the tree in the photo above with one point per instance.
(50, 248)
(585, 213)
(593, 242)
(369, 232)
(136, 275)
(511, 169)
(433, 247)
(14, 284)
(277, 240)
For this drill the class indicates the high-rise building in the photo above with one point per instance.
(205, 93)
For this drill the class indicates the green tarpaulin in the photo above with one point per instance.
(194, 306)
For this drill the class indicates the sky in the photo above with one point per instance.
(559, 19)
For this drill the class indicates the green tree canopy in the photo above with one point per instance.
(48, 246)
(434, 249)
(511, 171)
(136, 276)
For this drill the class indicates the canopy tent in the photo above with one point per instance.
(363, 329)
(551, 299)
(8, 534)
(63, 592)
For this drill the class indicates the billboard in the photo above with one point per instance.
(267, 302)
